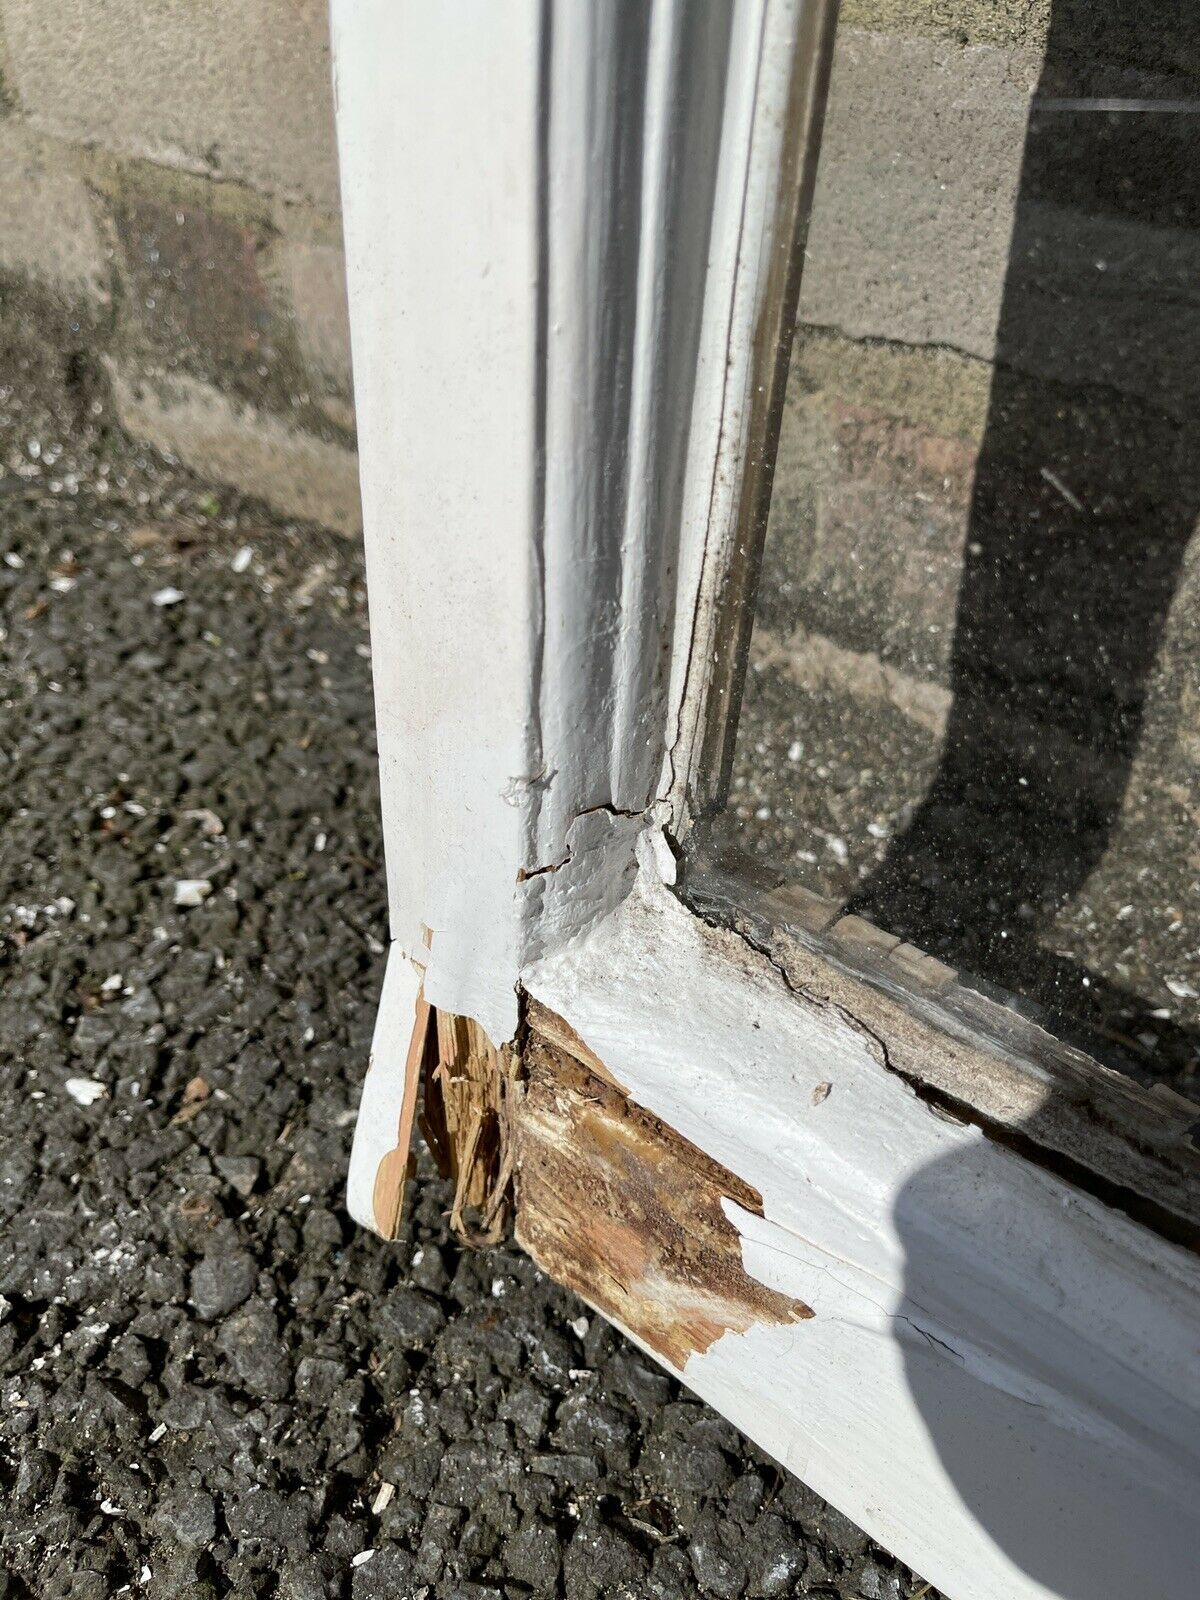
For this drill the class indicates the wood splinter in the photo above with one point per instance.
(396, 1168)
(469, 1091)
(628, 1213)
(470, 1094)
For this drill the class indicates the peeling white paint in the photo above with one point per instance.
(1000, 1381)
(376, 1129)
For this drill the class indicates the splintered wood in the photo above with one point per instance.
(469, 1088)
(469, 1098)
(609, 1199)
(393, 1172)
(625, 1211)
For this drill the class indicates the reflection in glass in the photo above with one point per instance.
(973, 706)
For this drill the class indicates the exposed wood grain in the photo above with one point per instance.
(392, 1174)
(465, 1121)
(999, 1379)
(628, 1213)
(554, 1030)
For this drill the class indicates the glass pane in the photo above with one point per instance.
(972, 712)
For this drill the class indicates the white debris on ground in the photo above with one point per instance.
(85, 1091)
(210, 823)
(192, 891)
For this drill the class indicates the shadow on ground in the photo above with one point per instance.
(1068, 578)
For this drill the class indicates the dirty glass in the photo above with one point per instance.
(972, 709)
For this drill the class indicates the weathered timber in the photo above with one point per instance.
(394, 1168)
(466, 1120)
(628, 1213)
(978, 1055)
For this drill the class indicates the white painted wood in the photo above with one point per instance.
(438, 137)
(376, 1131)
(746, 217)
(546, 213)
(636, 100)
(1001, 1382)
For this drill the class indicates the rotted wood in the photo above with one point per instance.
(601, 1181)
(985, 1058)
(466, 1118)
(466, 1088)
(625, 1211)
(998, 1379)
(554, 1031)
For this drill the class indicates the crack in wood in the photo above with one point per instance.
(606, 808)
(973, 1060)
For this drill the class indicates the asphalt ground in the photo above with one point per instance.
(211, 1383)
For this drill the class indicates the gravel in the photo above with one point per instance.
(207, 1375)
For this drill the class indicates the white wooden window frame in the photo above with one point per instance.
(569, 234)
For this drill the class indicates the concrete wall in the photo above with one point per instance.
(168, 173)
(168, 178)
